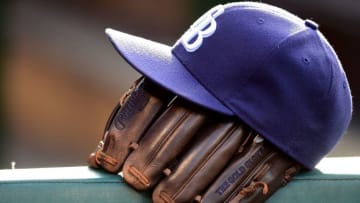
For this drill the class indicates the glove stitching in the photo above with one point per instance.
(250, 177)
(163, 141)
(203, 163)
(159, 145)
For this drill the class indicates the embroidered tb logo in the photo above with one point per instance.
(204, 27)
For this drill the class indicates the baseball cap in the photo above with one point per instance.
(262, 64)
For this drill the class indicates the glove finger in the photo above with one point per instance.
(92, 157)
(275, 173)
(139, 108)
(200, 165)
(166, 138)
(248, 172)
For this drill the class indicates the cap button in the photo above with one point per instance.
(311, 24)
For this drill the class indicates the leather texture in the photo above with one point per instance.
(158, 140)
(82, 184)
(141, 104)
(206, 158)
(168, 136)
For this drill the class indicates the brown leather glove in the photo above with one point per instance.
(186, 153)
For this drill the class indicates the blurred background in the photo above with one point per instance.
(60, 76)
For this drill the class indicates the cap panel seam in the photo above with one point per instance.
(253, 122)
(269, 9)
(330, 65)
(273, 51)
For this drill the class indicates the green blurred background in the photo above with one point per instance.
(60, 77)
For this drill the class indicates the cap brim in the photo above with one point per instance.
(156, 61)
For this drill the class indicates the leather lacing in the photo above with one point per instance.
(101, 157)
(125, 96)
(253, 187)
(249, 190)
(289, 173)
(255, 184)
(139, 176)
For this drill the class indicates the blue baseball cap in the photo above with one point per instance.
(262, 64)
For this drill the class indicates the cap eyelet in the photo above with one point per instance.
(260, 21)
(306, 60)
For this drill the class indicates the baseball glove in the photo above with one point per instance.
(186, 153)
